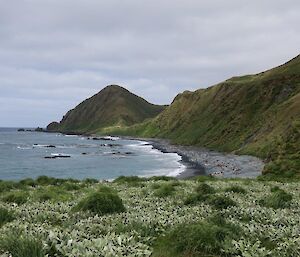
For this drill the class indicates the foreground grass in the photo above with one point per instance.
(158, 217)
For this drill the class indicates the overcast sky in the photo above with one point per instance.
(56, 53)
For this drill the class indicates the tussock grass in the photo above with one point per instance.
(18, 197)
(236, 189)
(5, 216)
(205, 189)
(101, 202)
(22, 246)
(164, 190)
(278, 199)
(221, 202)
(207, 238)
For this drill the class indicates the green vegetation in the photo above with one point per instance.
(205, 189)
(5, 216)
(221, 202)
(255, 114)
(102, 202)
(199, 239)
(278, 199)
(133, 181)
(236, 189)
(15, 197)
(28, 182)
(202, 194)
(164, 190)
(21, 246)
(6, 186)
(76, 218)
(113, 107)
(54, 193)
(90, 181)
(46, 181)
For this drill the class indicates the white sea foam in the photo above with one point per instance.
(177, 171)
(60, 154)
(65, 146)
(108, 153)
(173, 158)
(111, 138)
(164, 172)
(39, 146)
(24, 147)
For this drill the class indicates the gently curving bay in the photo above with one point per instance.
(32, 154)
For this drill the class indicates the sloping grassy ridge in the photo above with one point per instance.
(112, 107)
(254, 114)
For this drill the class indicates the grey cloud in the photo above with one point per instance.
(53, 53)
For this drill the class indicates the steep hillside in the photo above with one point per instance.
(112, 107)
(254, 114)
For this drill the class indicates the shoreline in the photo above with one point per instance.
(202, 161)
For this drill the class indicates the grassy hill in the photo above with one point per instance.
(254, 114)
(112, 107)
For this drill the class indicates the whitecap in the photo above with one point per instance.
(65, 146)
(24, 147)
(111, 138)
(60, 154)
(177, 171)
(39, 146)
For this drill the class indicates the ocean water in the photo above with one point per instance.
(22, 155)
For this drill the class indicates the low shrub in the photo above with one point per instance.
(45, 196)
(50, 181)
(278, 199)
(52, 193)
(199, 239)
(202, 194)
(90, 181)
(143, 229)
(133, 181)
(45, 181)
(221, 202)
(16, 197)
(72, 180)
(28, 182)
(22, 246)
(275, 188)
(5, 216)
(156, 185)
(129, 179)
(104, 201)
(236, 189)
(176, 183)
(6, 186)
(287, 176)
(69, 186)
(161, 178)
(52, 219)
(205, 189)
(164, 190)
(194, 199)
(204, 178)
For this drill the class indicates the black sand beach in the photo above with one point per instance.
(201, 161)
